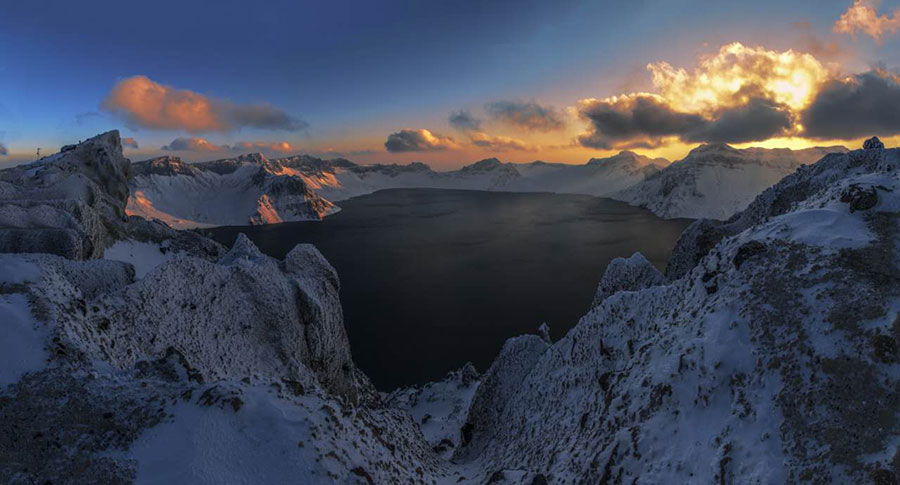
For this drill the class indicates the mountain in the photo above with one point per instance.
(252, 189)
(767, 353)
(716, 180)
(249, 189)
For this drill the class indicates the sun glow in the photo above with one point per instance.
(736, 74)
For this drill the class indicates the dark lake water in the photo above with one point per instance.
(431, 278)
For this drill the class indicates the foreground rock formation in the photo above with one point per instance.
(767, 353)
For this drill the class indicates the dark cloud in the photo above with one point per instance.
(866, 104)
(644, 120)
(130, 143)
(409, 140)
(3, 150)
(465, 121)
(757, 120)
(197, 144)
(632, 118)
(527, 115)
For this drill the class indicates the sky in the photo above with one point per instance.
(446, 82)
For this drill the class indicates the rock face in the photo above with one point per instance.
(715, 181)
(66, 204)
(768, 360)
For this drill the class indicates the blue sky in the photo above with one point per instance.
(359, 71)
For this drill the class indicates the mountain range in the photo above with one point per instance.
(766, 353)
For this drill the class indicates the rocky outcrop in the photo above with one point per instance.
(631, 274)
(70, 204)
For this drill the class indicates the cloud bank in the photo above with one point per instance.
(130, 143)
(857, 106)
(144, 103)
(422, 140)
(197, 144)
(3, 150)
(526, 115)
(498, 143)
(736, 95)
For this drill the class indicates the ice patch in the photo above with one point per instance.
(15, 271)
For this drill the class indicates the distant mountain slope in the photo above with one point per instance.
(716, 181)
(249, 189)
(252, 189)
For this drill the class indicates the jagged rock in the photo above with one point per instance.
(544, 332)
(497, 387)
(70, 204)
(631, 274)
(873, 144)
(859, 198)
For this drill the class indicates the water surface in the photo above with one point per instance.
(432, 278)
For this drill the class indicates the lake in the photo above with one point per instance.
(431, 279)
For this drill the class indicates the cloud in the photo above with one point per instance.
(193, 144)
(862, 17)
(526, 115)
(737, 94)
(862, 105)
(464, 121)
(630, 117)
(737, 73)
(645, 120)
(3, 150)
(756, 121)
(813, 44)
(498, 143)
(130, 143)
(263, 146)
(144, 103)
(197, 144)
(410, 140)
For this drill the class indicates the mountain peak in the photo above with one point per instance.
(873, 144)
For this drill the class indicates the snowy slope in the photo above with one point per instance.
(771, 360)
(245, 190)
(716, 181)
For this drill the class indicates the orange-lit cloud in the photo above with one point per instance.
(863, 17)
(737, 73)
(738, 94)
(130, 143)
(145, 103)
(422, 140)
(498, 143)
(197, 144)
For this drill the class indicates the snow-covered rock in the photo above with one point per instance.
(771, 359)
(249, 189)
(68, 203)
(715, 181)
(627, 274)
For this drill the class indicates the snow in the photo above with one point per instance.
(144, 256)
(210, 445)
(832, 227)
(21, 339)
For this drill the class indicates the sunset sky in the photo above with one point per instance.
(447, 83)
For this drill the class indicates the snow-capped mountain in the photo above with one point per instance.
(716, 181)
(254, 189)
(767, 353)
(249, 189)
